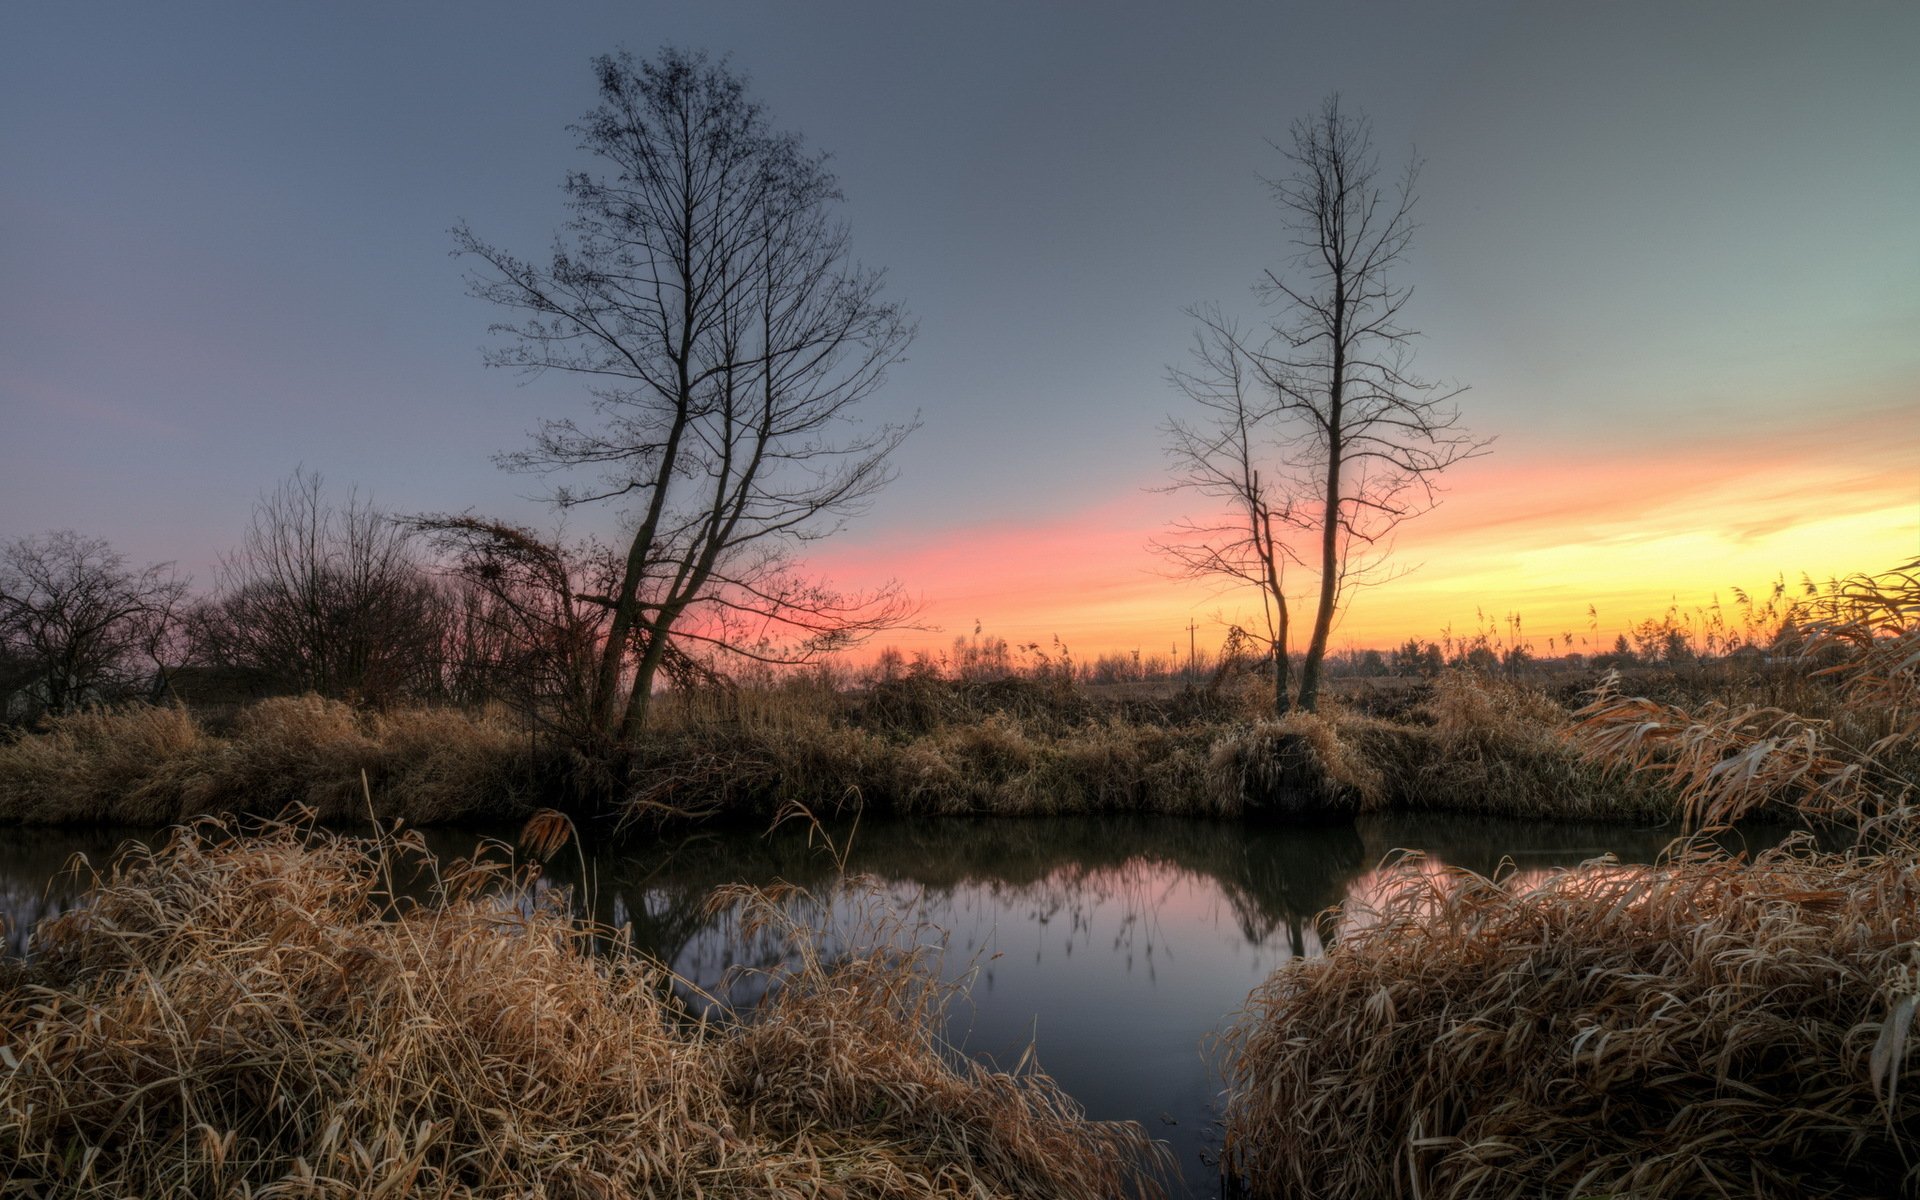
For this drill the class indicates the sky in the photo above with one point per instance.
(1670, 249)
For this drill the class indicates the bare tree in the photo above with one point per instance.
(705, 291)
(530, 618)
(1219, 456)
(1357, 441)
(326, 598)
(78, 623)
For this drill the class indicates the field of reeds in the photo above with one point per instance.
(284, 1012)
(1706, 1026)
(917, 746)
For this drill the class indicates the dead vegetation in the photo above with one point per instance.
(1850, 753)
(1468, 744)
(268, 1014)
(1702, 1028)
(157, 765)
(915, 746)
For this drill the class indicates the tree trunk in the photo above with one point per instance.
(1330, 517)
(1282, 703)
(640, 699)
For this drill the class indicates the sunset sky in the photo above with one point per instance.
(1672, 249)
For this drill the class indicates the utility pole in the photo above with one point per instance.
(1193, 663)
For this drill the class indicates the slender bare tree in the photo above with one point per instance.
(1219, 456)
(706, 293)
(1355, 442)
(79, 624)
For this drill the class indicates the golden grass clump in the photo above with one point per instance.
(289, 750)
(1501, 748)
(146, 765)
(1854, 757)
(100, 767)
(265, 1015)
(1298, 766)
(441, 764)
(1701, 1028)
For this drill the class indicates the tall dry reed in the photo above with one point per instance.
(1706, 1028)
(1856, 758)
(269, 1015)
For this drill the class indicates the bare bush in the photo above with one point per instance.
(77, 624)
(327, 598)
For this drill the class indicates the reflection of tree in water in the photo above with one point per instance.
(1061, 871)
(1058, 871)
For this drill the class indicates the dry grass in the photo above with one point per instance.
(263, 1016)
(1302, 766)
(155, 766)
(104, 767)
(1702, 1028)
(1499, 748)
(1470, 745)
(1009, 748)
(996, 764)
(1854, 756)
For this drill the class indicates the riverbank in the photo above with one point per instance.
(234, 1013)
(1010, 747)
(1707, 1026)
(1699, 1028)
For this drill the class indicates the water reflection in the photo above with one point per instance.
(1060, 876)
(44, 871)
(1115, 947)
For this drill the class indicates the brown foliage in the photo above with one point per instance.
(262, 1014)
(153, 766)
(1702, 1028)
(1861, 757)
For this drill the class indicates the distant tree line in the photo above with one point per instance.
(338, 597)
(341, 599)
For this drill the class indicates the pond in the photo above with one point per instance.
(1115, 948)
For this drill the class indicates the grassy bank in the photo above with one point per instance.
(159, 765)
(1702, 1027)
(254, 1015)
(1697, 1029)
(916, 746)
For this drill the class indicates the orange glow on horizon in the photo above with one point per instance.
(1542, 532)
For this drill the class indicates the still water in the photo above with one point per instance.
(1115, 948)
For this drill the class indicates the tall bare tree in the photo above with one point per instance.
(78, 623)
(706, 293)
(1355, 442)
